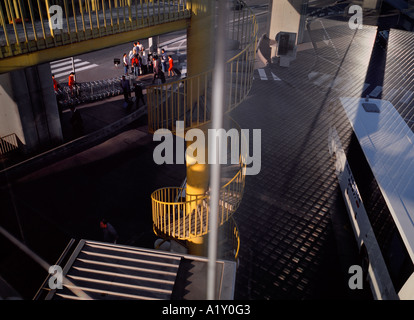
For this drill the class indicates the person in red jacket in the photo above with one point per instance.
(171, 67)
(71, 82)
(135, 63)
(56, 85)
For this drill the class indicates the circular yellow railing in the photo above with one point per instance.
(184, 218)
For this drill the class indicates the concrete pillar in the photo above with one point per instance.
(287, 16)
(10, 122)
(35, 105)
(153, 44)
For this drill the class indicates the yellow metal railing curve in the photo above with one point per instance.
(183, 220)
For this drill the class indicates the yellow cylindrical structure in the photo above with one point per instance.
(196, 246)
(200, 48)
(197, 186)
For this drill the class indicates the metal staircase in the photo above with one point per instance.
(106, 271)
(189, 100)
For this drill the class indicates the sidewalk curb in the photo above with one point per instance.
(68, 149)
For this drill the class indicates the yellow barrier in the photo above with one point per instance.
(173, 217)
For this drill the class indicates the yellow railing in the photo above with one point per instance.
(233, 232)
(174, 217)
(190, 99)
(29, 26)
(8, 143)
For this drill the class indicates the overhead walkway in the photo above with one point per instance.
(39, 31)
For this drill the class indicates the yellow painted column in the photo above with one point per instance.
(197, 186)
(200, 48)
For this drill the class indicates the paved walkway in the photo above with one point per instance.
(296, 240)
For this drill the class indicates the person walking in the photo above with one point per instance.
(139, 96)
(140, 47)
(155, 67)
(164, 61)
(144, 63)
(109, 232)
(126, 89)
(56, 84)
(125, 62)
(171, 71)
(71, 83)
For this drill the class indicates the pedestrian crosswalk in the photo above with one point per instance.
(342, 84)
(62, 68)
(266, 74)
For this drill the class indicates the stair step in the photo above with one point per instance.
(109, 271)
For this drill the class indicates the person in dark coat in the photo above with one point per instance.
(138, 94)
(126, 89)
(109, 232)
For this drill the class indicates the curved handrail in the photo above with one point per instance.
(190, 218)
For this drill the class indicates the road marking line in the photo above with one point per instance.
(275, 77)
(77, 70)
(376, 91)
(57, 64)
(70, 66)
(322, 79)
(262, 74)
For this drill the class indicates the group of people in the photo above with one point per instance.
(136, 59)
(139, 63)
(162, 64)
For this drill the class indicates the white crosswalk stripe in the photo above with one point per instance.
(323, 79)
(275, 77)
(326, 80)
(374, 93)
(62, 68)
(263, 75)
